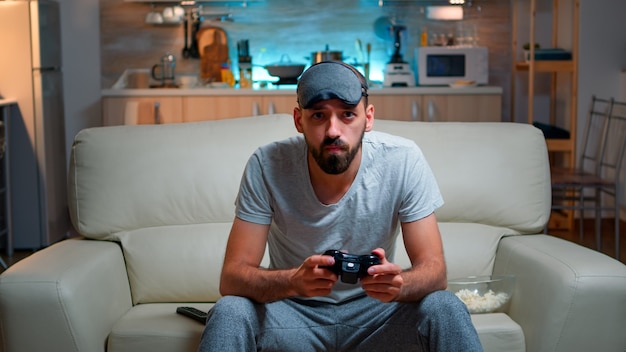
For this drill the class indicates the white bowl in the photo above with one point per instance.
(463, 84)
(154, 17)
(484, 294)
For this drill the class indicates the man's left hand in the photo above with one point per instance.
(384, 280)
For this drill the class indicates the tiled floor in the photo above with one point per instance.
(608, 241)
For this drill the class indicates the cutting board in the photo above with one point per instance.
(213, 47)
(207, 35)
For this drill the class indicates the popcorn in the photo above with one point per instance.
(487, 303)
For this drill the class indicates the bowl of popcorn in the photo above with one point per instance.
(484, 294)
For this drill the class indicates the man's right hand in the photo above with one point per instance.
(311, 279)
(243, 276)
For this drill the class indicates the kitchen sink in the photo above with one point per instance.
(166, 85)
(142, 79)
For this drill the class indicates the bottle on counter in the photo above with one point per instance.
(424, 37)
(227, 75)
(245, 72)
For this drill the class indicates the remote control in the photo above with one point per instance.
(193, 313)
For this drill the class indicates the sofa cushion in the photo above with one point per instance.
(155, 175)
(157, 327)
(506, 165)
(469, 249)
(498, 332)
(182, 263)
(146, 178)
(175, 263)
(179, 263)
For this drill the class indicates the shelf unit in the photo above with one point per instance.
(563, 104)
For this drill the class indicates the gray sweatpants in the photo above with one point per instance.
(439, 322)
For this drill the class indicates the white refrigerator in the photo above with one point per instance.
(30, 72)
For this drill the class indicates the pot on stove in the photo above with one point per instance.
(326, 55)
(286, 70)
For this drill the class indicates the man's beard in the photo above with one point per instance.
(333, 163)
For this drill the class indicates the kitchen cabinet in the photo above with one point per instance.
(438, 107)
(133, 105)
(219, 107)
(224, 107)
(397, 107)
(141, 110)
(280, 104)
(468, 108)
(174, 109)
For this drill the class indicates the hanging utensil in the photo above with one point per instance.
(359, 51)
(193, 48)
(367, 63)
(186, 51)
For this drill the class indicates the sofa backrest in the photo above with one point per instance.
(495, 174)
(131, 177)
(166, 193)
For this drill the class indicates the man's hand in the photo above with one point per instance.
(311, 280)
(384, 280)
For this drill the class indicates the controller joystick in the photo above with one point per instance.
(351, 267)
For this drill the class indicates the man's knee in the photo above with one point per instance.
(442, 303)
(233, 308)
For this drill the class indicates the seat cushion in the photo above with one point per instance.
(469, 249)
(179, 263)
(498, 332)
(175, 263)
(157, 327)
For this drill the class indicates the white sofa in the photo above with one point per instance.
(155, 203)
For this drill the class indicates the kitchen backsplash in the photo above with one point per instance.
(277, 27)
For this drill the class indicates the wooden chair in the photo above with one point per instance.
(598, 173)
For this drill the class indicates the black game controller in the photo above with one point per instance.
(349, 266)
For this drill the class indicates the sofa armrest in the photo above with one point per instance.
(567, 297)
(64, 298)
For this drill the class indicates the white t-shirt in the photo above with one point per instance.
(394, 184)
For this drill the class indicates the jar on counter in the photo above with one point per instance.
(245, 74)
(227, 75)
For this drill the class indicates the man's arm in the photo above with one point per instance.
(242, 276)
(423, 244)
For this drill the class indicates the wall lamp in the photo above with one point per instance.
(444, 13)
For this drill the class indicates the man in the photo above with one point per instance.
(338, 186)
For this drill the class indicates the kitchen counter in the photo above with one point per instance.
(131, 101)
(120, 89)
(126, 92)
(291, 90)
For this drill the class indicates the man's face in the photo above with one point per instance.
(333, 132)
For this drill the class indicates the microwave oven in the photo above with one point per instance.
(444, 65)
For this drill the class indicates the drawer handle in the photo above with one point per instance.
(415, 114)
(431, 111)
(271, 109)
(157, 115)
